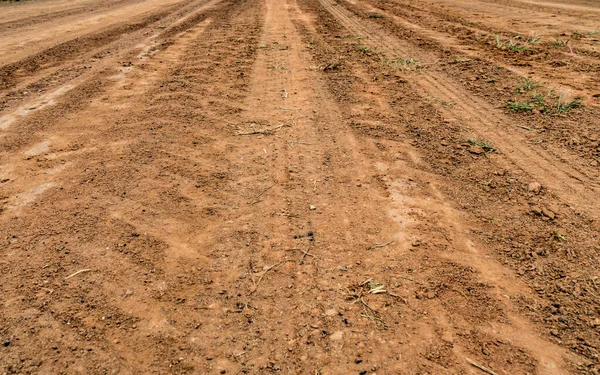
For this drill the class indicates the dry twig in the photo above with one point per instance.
(304, 255)
(378, 246)
(481, 367)
(256, 199)
(77, 273)
(267, 270)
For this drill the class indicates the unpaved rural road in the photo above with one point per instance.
(299, 187)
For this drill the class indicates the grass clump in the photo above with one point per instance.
(364, 50)
(526, 85)
(517, 106)
(510, 45)
(403, 63)
(529, 96)
(564, 107)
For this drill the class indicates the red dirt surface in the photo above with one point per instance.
(299, 187)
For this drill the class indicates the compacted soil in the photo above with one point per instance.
(299, 187)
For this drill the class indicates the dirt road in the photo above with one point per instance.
(299, 187)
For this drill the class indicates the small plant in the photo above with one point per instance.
(403, 63)
(533, 38)
(364, 50)
(526, 85)
(558, 237)
(562, 43)
(443, 103)
(514, 47)
(485, 145)
(517, 106)
(375, 15)
(510, 45)
(499, 43)
(539, 100)
(564, 107)
(595, 32)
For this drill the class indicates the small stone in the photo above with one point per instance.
(337, 336)
(549, 214)
(331, 312)
(535, 187)
(536, 210)
(561, 232)
(477, 150)
(312, 208)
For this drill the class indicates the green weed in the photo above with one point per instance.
(564, 107)
(517, 106)
(364, 50)
(510, 45)
(526, 85)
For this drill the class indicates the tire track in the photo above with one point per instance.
(572, 185)
(46, 86)
(86, 8)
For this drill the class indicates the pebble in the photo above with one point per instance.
(477, 150)
(331, 312)
(337, 336)
(312, 208)
(535, 187)
(549, 214)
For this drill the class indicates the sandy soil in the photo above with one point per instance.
(299, 187)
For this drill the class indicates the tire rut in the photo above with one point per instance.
(486, 121)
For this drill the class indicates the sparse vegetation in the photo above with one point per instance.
(517, 106)
(544, 100)
(564, 107)
(527, 85)
(363, 49)
(539, 100)
(485, 145)
(562, 43)
(510, 45)
(375, 15)
(533, 39)
(402, 63)
(443, 103)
